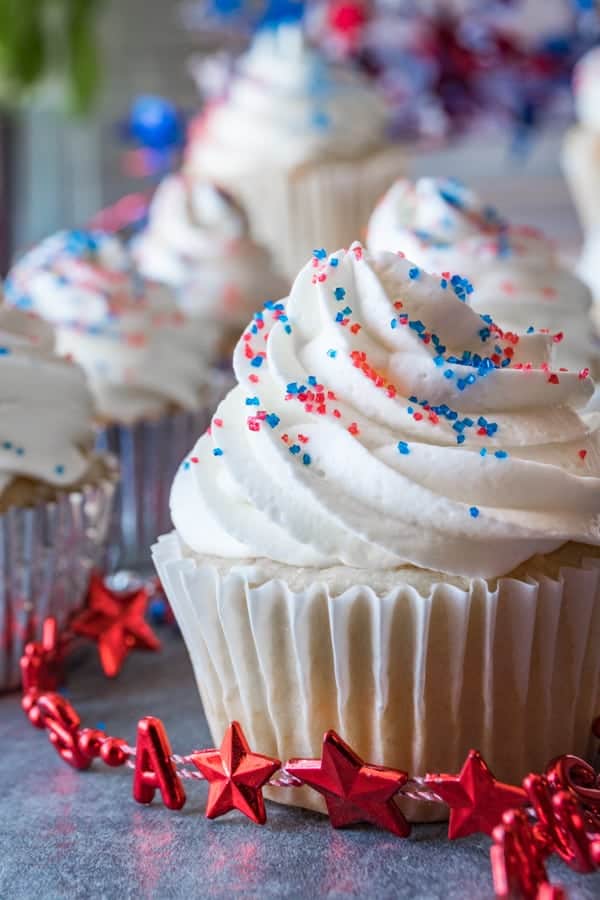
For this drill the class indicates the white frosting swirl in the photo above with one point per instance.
(586, 90)
(517, 275)
(385, 423)
(138, 349)
(40, 438)
(198, 241)
(286, 106)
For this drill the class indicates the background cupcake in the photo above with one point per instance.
(55, 491)
(391, 533)
(581, 149)
(300, 143)
(143, 359)
(198, 242)
(517, 275)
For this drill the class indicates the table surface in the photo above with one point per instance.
(69, 834)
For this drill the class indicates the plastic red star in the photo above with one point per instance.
(354, 791)
(476, 800)
(236, 776)
(115, 620)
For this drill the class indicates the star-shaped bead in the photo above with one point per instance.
(476, 800)
(115, 620)
(354, 791)
(235, 776)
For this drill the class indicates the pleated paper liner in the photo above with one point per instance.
(408, 681)
(325, 204)
(47, 553)
(149, 454)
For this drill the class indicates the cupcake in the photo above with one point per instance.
(517, 276)
(581, 148)
(389, 532)
(198, 243)
(144, 362)
(55, 491)
(300, 143)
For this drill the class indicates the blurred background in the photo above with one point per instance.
(477, 89)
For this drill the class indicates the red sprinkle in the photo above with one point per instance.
(582, 454)
(353, 428)
(583, 374)
(557, 338)
(553, 378)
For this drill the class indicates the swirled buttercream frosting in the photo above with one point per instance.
(46, 407)
(380, 421)
(517, 274)
(138, 349)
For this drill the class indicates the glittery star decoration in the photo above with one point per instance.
(476, 800)
(354, 791)
(115, 621)
(235, 776)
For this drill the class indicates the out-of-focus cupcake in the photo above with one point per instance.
(517, 275)
(143, 359)
(392, 532)
(55, 491)
(198, 242)
(300, 143)
(581, 148)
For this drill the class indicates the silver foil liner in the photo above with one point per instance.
(149, 453)
(47, 553)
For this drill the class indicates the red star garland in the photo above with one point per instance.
(354, 791)
(115, 620)
(476, 800)
(236, 776)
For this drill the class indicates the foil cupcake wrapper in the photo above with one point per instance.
(410, 681)
(149, 453)
(47, 553)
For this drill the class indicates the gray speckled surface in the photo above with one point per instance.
(67, 834)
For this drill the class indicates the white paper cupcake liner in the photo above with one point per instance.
(322, 205)
(46, 555)
(149, 453)
(408, 681)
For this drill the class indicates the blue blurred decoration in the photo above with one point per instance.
(277, 12)
(155, 123)
(225, 7)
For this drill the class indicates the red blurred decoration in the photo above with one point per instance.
(347, 20)
(475, 798)
(354, 791)
(518, 869)
(236, 776)
(115, 621)
(41, 663)
(125, 213)
(62, 723)
(154, 769)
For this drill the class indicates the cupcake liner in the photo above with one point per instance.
(322, 205)
(581, 166)
(409, 681)
(47, 553)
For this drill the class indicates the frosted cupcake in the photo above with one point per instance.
(55, 491)
(518, 277)
(143, 359)
(300, 143)
(391, 530)
(198, 243)
(581, 149)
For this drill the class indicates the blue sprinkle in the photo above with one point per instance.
(505, 363)
(500, 454)
(482, 422)
(306, 459)
(448, 373)
(417, 326)
(443, 283)
(288, 329)
(7, 445)
(403, 447)
(294, 449)
(252, 401)
(413, 399)
(409, 410)
(186, 465)
(20, 451)
(530, 330)
(4, 351)
(413, 273)
(257, 362)
(474, 511)
(394, 323)
(483, 451)
(332, 353)
(312, 380)
(438, 360)
(60, 470)
(340, 293)
(320, 254)
(486, 318)
(292, 387)
(461, 384)
(347, 311)
(334, 261)
(339, 317)
(217, 452)
(460, 439)
(272, 420)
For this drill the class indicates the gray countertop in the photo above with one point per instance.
(69, 834)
